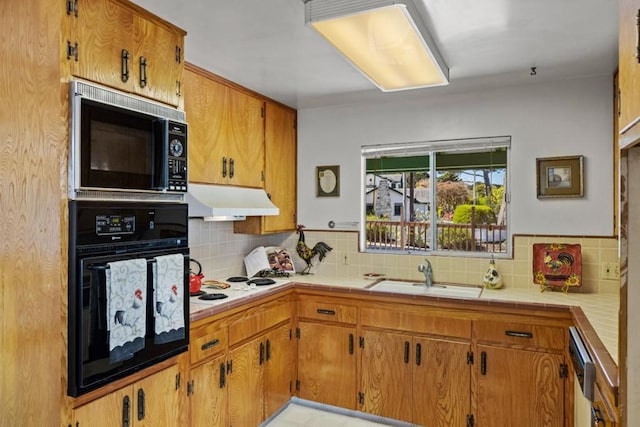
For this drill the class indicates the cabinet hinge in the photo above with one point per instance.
(564, 370)
(72, 50)
(190, 388)
(178, 378)
(470, 420)
(297, 385)
(72, 7)
(470, 358)
(178, 54)
(229, 366)
(361, 398)
(361, 342)
(262, 112)
(298, 333)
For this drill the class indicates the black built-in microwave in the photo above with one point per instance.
(125, 146)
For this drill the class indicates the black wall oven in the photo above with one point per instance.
(128, 302)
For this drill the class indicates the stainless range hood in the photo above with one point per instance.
(227, 203)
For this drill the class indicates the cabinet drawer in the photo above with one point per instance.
(260, 319)
(520, 334)
(206, 341)
(328, 310)
(418, 321)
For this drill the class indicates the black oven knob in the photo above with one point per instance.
(176, 148)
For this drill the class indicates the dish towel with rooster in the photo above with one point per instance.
(168, 302)
(126, 286)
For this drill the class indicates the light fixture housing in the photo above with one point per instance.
(385, 40)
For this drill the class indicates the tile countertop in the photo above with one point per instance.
(600, 310)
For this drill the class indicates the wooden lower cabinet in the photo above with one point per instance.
(425, 381)
(154, 401)
(208, 394)
(519, 388)
(327, 363)
(260, 376)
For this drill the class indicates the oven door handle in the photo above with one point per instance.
(106, 267)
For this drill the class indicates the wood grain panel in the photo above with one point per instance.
(105, 411)
(327, 310)
(280, 365)
(208, 399)
(246, 385)
(441, 383)
(520, 334)
(162, 399)
(386, 375)
(421, 321)
(326, 369)
(259, 319)
(102, 30)
(207, 341)
(519, 388)
(33, 210)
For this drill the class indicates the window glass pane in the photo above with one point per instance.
(462, 209)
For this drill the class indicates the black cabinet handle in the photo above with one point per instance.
(350, 343)
(143, 71)
(518, 334)
(261, 353)
(209, 344)
(483, 363)
(231, 168)
(223, 375)
(125, 65)
(126, 406)
(418, 354)
(268, 350)
(140, 404)
(406, 351)
(326, 311)
(224, 167)
(638, 36)
(72, 7)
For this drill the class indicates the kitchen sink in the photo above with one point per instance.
(436, 290)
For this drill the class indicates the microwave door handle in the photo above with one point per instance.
(161, 179)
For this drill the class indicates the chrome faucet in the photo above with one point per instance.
(428, 273)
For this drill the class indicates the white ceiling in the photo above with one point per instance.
(264, 45)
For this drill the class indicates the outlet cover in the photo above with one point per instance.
(610, 271)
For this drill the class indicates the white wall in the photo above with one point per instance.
(571, 117)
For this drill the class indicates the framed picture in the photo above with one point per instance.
(559, 177)
(327, 181)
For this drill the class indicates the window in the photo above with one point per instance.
(446, 197)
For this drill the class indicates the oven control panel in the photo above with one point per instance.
(109, 225)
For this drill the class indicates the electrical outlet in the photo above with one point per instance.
(610, 271)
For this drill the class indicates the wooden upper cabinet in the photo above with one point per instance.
(226, 131)
(118, 44)
(629, 73)
(280, 144)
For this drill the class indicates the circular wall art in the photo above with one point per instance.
(327, 181)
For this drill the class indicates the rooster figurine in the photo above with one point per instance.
(307, 253)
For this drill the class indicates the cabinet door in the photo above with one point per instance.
(279, 368)
(387, 374)
(441, 383)
(204, 104)
(519, 388)
(280, 167)
(246, 384)
(209, 394)
(327, 364)
(102, 30)
(161, 49)
(163, 399)
(244, 130)
(107, 411)
(629, 72)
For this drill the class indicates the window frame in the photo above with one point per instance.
(431, 149)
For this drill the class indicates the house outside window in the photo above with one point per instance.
(466, 183)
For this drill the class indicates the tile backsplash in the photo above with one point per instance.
(221, 254)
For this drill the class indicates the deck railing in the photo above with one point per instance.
(416, 236)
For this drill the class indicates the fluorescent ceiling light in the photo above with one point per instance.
(386, 40)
